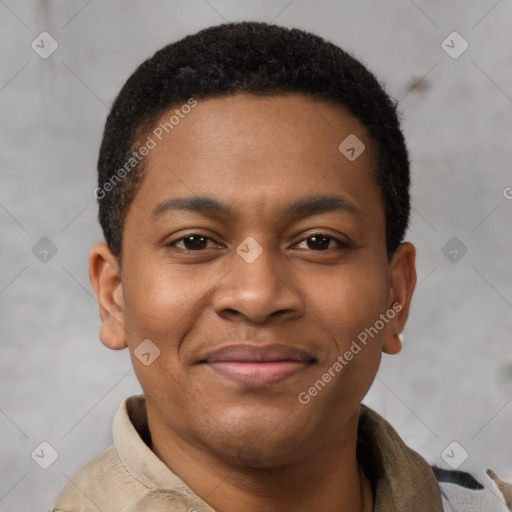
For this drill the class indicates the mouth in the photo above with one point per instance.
(258, 365)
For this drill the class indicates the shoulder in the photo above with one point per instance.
(102, 484)
(462, 491)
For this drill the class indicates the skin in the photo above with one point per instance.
(244, 448)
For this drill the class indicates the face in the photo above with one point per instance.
(254, 259)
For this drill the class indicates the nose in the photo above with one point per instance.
(257, 290)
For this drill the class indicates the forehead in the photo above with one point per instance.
(259, 152)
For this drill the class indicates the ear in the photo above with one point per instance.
(105, 277)
(402, 282)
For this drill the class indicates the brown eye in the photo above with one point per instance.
(320, 242)
(192, 242)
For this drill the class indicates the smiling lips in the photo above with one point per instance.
(258, 365)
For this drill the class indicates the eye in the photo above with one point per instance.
(321, 242)
(317, 242)
(191, 242)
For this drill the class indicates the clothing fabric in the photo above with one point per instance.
(129, 477)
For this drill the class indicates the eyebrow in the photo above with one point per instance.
(301, 207)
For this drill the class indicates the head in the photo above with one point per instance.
(254, 194)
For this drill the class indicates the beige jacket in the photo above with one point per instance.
(129, 477)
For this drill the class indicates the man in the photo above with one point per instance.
(254, 195)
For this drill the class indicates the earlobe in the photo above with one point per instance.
(105, 278)
(392, 344)
(112, 334)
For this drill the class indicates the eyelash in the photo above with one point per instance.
(341, 244)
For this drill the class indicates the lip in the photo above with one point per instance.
(258, 365)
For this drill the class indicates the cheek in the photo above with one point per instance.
(348, 307)
(163, 306)
(349, 301)
(163, 302)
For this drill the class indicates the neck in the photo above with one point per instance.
(329, 479)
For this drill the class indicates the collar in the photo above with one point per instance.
(401, 479)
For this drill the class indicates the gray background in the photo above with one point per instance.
(453, 379)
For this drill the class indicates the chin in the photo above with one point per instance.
(257, 444)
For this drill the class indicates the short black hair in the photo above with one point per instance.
(255, 58)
